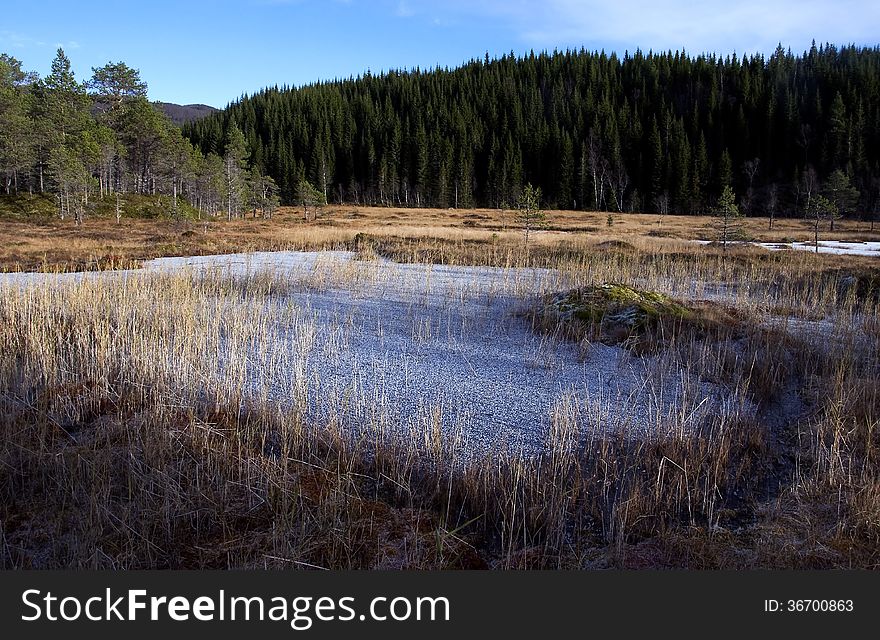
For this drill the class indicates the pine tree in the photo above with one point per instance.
(841, 193)
(267, 195)
(728, 222)
(310, 199)
(16, 130)
(529, 214)
(821, 209)
(116, 81)
(64, 102)
(235, 171)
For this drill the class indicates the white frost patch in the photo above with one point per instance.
(828, 246)
(838, 247)
(417, 348)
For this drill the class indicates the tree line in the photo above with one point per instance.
(103, 138)
(657, 132)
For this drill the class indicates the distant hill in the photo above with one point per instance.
(182, 113)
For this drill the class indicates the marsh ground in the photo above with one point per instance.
(296, 410)
(32, 242)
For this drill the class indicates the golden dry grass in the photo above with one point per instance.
(116, 455)
(51, 244)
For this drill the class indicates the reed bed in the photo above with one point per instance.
(143, 425)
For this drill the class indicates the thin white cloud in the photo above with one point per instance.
(16, 40)
(13, 40)
(711, 25)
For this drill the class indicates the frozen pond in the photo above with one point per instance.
(413, 347)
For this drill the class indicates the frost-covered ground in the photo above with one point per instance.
(837, 247)
(417, 348)
(828, 246)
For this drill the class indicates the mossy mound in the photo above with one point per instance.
(26, 205)
(141, 206)
(132, 206)
(615, 313)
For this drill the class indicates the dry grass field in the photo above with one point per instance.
(28, 244)
(165, 418)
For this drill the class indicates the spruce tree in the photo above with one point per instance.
(412, 138)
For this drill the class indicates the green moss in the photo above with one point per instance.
(611, 312)
(132, 206)
(141, 206)
(26, 205)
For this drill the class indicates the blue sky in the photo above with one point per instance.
(213, 51)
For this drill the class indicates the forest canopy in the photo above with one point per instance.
(78, 141)
(651, 132)
(656, 132)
